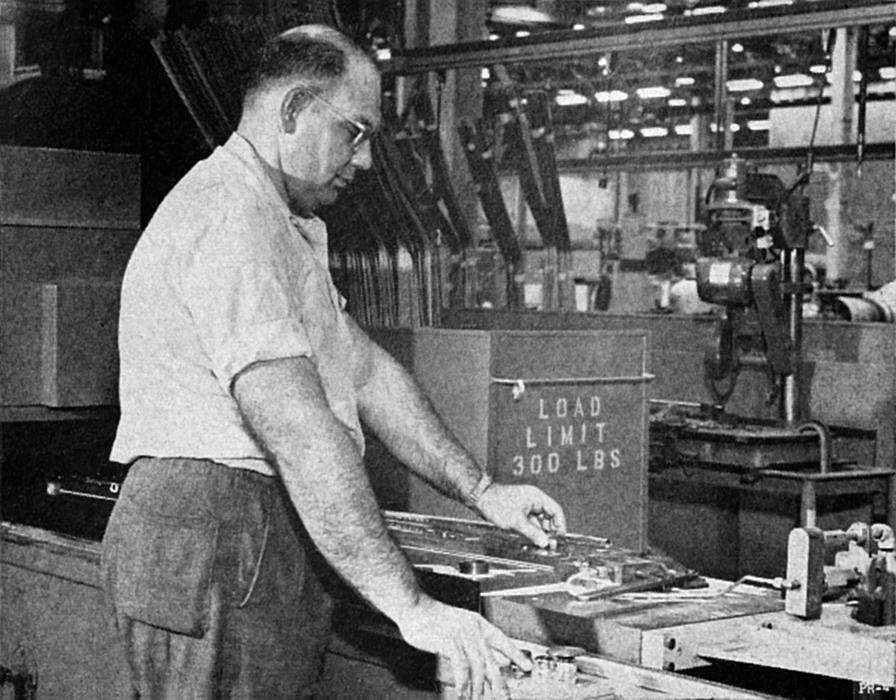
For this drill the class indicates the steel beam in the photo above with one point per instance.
(683, 160)
(804, 17)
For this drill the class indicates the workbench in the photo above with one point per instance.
(52, 622)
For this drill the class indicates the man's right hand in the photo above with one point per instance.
(475, 648)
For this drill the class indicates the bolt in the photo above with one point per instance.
(668, 666)
(670, 642)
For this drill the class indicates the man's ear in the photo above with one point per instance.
(294, 101)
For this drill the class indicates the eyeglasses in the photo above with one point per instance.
(364, 131)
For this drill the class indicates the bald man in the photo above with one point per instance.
(243, 388)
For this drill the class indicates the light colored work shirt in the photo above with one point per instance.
(223, 277)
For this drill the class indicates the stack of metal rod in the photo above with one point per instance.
(523, 137)
(390, 230)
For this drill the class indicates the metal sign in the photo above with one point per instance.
(583, 441)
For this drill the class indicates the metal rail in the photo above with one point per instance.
(674, 31)
(683, 160)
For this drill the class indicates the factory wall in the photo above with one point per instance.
(846, 203)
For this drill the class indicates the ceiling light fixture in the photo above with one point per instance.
(737, 48)
(610, 96)
(887, 73)
(653, 92)
(744, 85)
(624, 134)
(757, 4)
(678, 102)
(641, 19)
(521, 33)
(578, 27)
(794, 80)
(758, 125)
(653, 132)
(708, 10)
(570, 98)
(654, 8)
(684, 80)
(733, 127)
(818, 69)
(684, 129)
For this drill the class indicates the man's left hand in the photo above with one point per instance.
(526, 509)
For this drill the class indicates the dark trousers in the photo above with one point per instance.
(210, 579)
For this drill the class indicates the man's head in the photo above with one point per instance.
(310, 106)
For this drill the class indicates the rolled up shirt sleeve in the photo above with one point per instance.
(243, 299)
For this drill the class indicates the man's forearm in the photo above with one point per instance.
(401, 415)
(324, 476)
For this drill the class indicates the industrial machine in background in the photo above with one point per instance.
(752, 261)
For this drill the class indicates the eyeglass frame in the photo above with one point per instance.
(365, 131)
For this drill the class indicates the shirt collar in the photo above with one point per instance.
(312, 229)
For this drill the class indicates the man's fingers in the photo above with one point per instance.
(498, 641)
(553, 511)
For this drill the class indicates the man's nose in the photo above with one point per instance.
(362, 159)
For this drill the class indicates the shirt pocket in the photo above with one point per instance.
(164, 572)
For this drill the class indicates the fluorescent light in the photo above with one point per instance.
(611, 96)
(887, 73)
(383, 54)
(624, 134)
(684, 129)
(486, 74)
(640, 19)
(653, 92)
(493, 37)
(578, 27)
(745, 101)
(758, 124)
(678, 102)
(737, 48)
(744, 85)
(794, 80)
(521, 33)
(684, 80)
(708, 10)
(654, 8)
(768, 3)
(635, 6)
(733, 127)
(818, 69)
(653, 132)
(570, 98)
(857, 76)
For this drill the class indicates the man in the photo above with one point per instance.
(243, 387)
